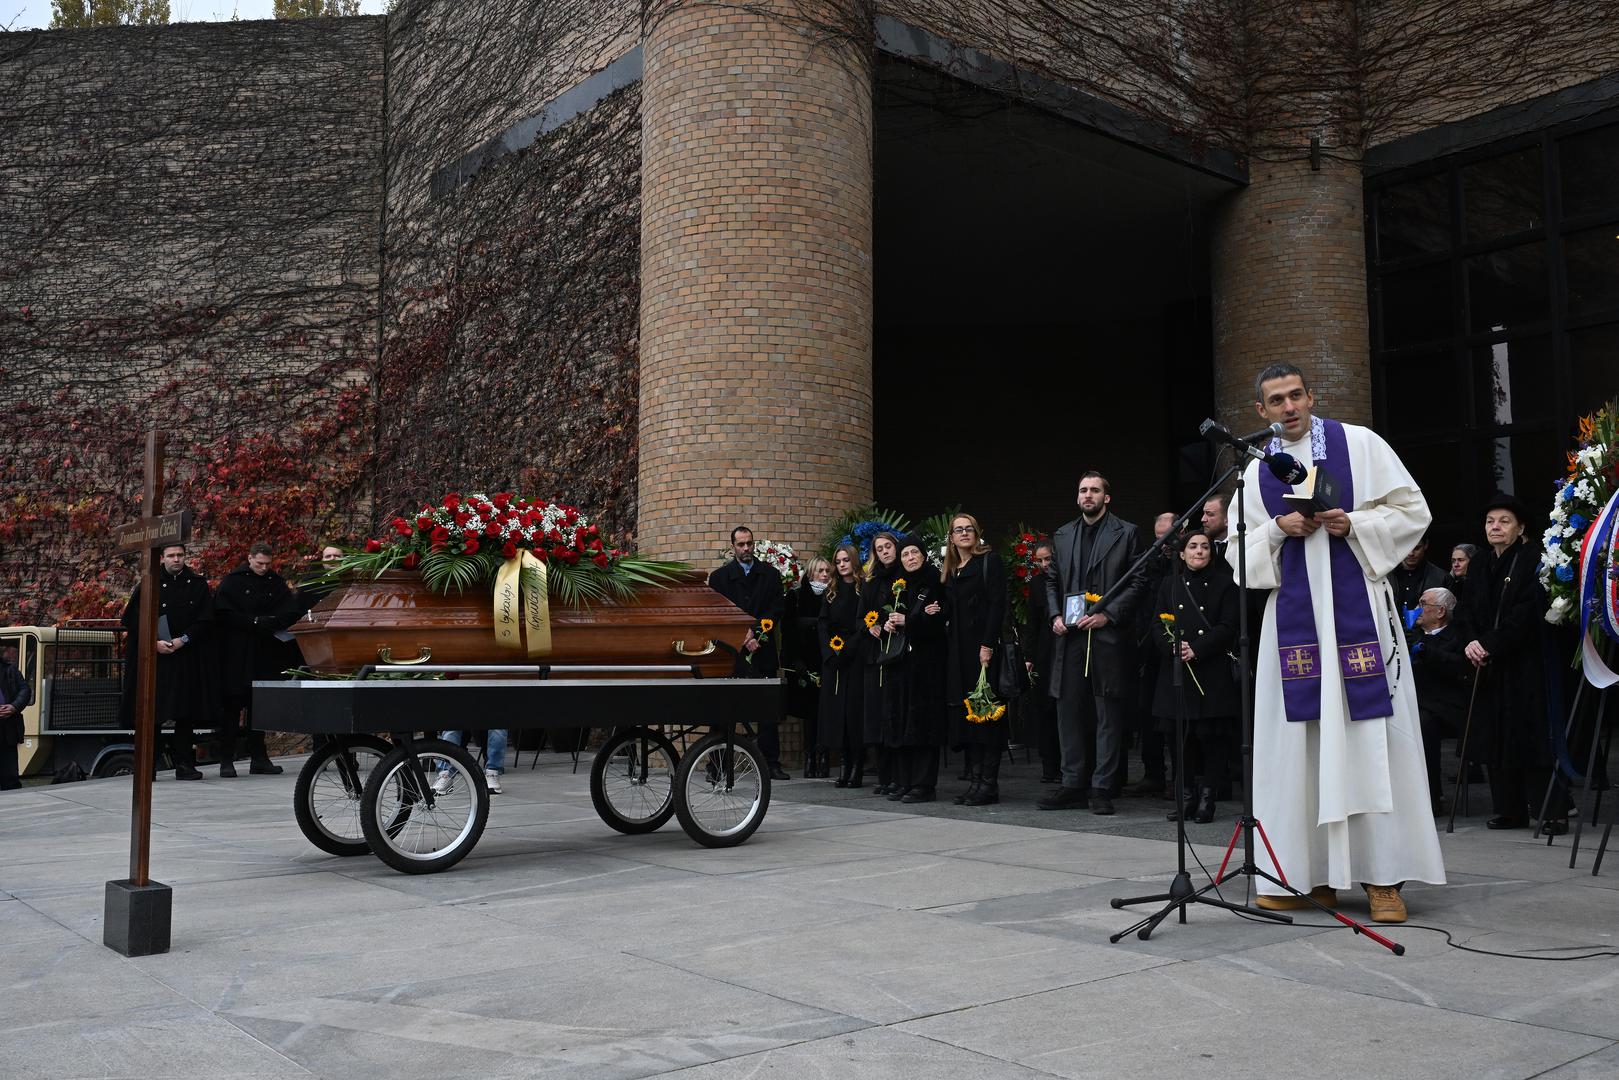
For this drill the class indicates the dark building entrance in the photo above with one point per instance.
(1042, 306)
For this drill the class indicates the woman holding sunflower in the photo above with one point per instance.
(913, 680)
(875, 595)
(975, 594)
(840, 722)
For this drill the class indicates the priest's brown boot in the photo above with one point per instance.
(1387, 907)
(1321, 894)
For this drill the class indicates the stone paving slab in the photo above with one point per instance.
(851, 936)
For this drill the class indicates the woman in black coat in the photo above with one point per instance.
(1203, 599)
(1510, 735)
(877, 593)
(913, 678)
(841, 721)
(801, 654)
(975, 593)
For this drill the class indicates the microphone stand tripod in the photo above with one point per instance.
(1180, 892)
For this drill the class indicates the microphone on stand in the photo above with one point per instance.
(1285, 467)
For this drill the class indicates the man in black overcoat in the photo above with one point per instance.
(755, 587)
(251, 606)
(1411, 579)
(1444, 678)
(1093, 552)
(15, 694)
(187, 692)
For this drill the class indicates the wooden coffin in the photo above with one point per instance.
(396, 616)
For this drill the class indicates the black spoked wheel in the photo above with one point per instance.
(326, 799)
(632, 780)
(721, 797)
(426, 824)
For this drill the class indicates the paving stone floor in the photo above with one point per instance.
(850, 937)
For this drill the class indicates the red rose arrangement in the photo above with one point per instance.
(1021, 572)
(464, 540)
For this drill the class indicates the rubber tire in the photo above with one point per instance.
(375, 831)
(696, 758)
(313, 831)
(120, 764)
(598, 790)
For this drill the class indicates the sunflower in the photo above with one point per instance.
(871, 618)
(836, 644)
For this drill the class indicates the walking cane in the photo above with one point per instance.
(1461, 774)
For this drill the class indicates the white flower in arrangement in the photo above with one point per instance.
(1553, 531)
(1584, 492)
(474, 524)
(1559, 609)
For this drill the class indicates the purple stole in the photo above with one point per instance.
(1360, 658)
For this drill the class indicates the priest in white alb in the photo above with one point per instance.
(1340, 785)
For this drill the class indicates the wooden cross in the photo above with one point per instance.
(149, 535)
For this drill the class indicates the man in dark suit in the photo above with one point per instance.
(187, 694)
(1444, 679)
(15, 694)
(755, 588)
(1093, 666)
(1411, 580)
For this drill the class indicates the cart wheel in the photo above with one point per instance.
(418, 831)
(713, 813)
(632, 780)
(326, 799)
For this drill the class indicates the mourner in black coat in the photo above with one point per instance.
(1204, 601)
(1444, 679)
(15, 696)
(251, 606)
(1093, 553)
(1413, 577)
(975, 595)
(801, 658)
(187, 690)
(755, 587)
(1511, 734)
(1039, 709)
(913, 683)
(841, 725)
(876, 593)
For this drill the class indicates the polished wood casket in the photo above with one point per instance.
(396, 618)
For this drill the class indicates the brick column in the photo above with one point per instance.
(756, 307)
(1289, 280)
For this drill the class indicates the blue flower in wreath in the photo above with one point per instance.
(864, 533)
(1567, 492)
(1577, 522)
(1565, 572)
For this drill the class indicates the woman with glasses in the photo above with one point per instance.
(877, 594)
(840, 724)
(975, 595)
(803, 657)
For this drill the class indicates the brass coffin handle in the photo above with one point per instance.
(385, 655)
(680, 647)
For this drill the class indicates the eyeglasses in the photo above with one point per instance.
(963, 529)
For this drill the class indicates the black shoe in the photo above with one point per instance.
(227, 769)
(972, 790)
(916, 795)
(856, 781)
(1064, 798)
(264, 768)
(1554, 826)
(1101, 803)
(984, 795)
(1502, 821)
(1205, 807)
(187, 772)
(895, 795)
(1151, 787)
(776, 773)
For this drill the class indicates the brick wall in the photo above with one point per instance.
(756, 280)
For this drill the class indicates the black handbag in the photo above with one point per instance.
(1013, 679)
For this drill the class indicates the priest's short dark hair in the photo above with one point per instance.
(1276, 371)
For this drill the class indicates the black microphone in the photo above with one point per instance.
(1243, 444)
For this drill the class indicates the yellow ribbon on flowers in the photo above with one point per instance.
(522, 617)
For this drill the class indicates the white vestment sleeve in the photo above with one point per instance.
(1391, 515)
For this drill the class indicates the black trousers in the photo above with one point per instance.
(1042, 726)
(8, 767)
(1516, 791)
(183, 743)
(918, 767)
(770, 742)
(235, 726)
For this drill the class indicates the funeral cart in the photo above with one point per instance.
(680, 744)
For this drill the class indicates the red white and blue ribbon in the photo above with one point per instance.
(1597, 593)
